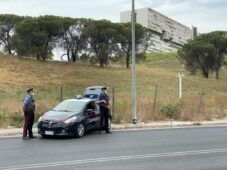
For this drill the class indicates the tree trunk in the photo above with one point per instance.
(128, 60)
(9, 51)
(73, 57)
(8, 43)
(217, 74)
(44, 56)
(68, 55)
(206, 74)
(101, 63)
(37, 55)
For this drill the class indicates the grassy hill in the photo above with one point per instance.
(18, 74)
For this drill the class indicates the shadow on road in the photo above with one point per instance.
(88, 134)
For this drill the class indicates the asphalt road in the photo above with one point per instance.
(184, 148)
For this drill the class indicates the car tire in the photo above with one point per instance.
(80, 130)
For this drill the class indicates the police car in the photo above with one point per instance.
(72, 117)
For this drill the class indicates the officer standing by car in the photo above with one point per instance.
(29, 109)
(103, 101)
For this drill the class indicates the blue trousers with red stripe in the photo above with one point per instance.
(28, 124)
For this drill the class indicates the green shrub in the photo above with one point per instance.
(17, 119)
(2, 115)
(171, 110)
(3, 121)
(141, 57)
(84, 57)
(93, 60)
(37, 116)
(117, 119)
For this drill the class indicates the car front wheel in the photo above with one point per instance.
(80, 130)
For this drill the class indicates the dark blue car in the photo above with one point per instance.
(71, 117)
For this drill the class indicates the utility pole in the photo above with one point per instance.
(134, 114)
(180, 75)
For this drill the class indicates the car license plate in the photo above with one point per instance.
(49, 133)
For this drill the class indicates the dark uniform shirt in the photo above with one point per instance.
(105, 97)
(30, 104)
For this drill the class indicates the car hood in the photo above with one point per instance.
(58, 115)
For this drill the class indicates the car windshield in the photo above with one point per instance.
(91, 96)
(96, 91)
(70, 106)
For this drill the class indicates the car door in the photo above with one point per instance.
(97, 115)
(90, 115)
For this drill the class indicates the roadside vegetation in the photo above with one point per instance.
(203, 99)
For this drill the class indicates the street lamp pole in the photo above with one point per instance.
(134, 114)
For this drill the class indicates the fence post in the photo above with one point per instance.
(155, 98)
(200, 99)
(61, 93)
(113, 101)
(180, 75)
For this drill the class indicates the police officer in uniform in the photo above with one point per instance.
(103, 101)
(29, 109)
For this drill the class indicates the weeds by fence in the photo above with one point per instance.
(154, 106)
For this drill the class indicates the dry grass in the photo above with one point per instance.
(16, 75)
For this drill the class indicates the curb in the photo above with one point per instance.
(15, 132)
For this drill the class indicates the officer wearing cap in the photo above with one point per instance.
(29, 109)
(104, 103)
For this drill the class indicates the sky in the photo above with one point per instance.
(206, 15)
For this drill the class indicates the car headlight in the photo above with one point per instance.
(71, 120)
(40, 119)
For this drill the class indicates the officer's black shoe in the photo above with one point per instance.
(26, 138)
(108, 132)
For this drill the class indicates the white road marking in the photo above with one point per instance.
(168, 128)
(119, 158)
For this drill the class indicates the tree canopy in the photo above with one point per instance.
(205, 53)
(7, 28)
(38, 36)
(73, 36)
(100, 37)
(124, 38)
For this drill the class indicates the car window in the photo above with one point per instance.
(70, 106)
(91, 106)
(96, 91)
(91, 96)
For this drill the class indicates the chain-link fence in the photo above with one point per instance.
(155, 103)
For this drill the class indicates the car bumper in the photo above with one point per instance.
(56, 129)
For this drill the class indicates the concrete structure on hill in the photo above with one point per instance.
(167, 34)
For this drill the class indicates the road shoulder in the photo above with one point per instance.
(12, 132)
